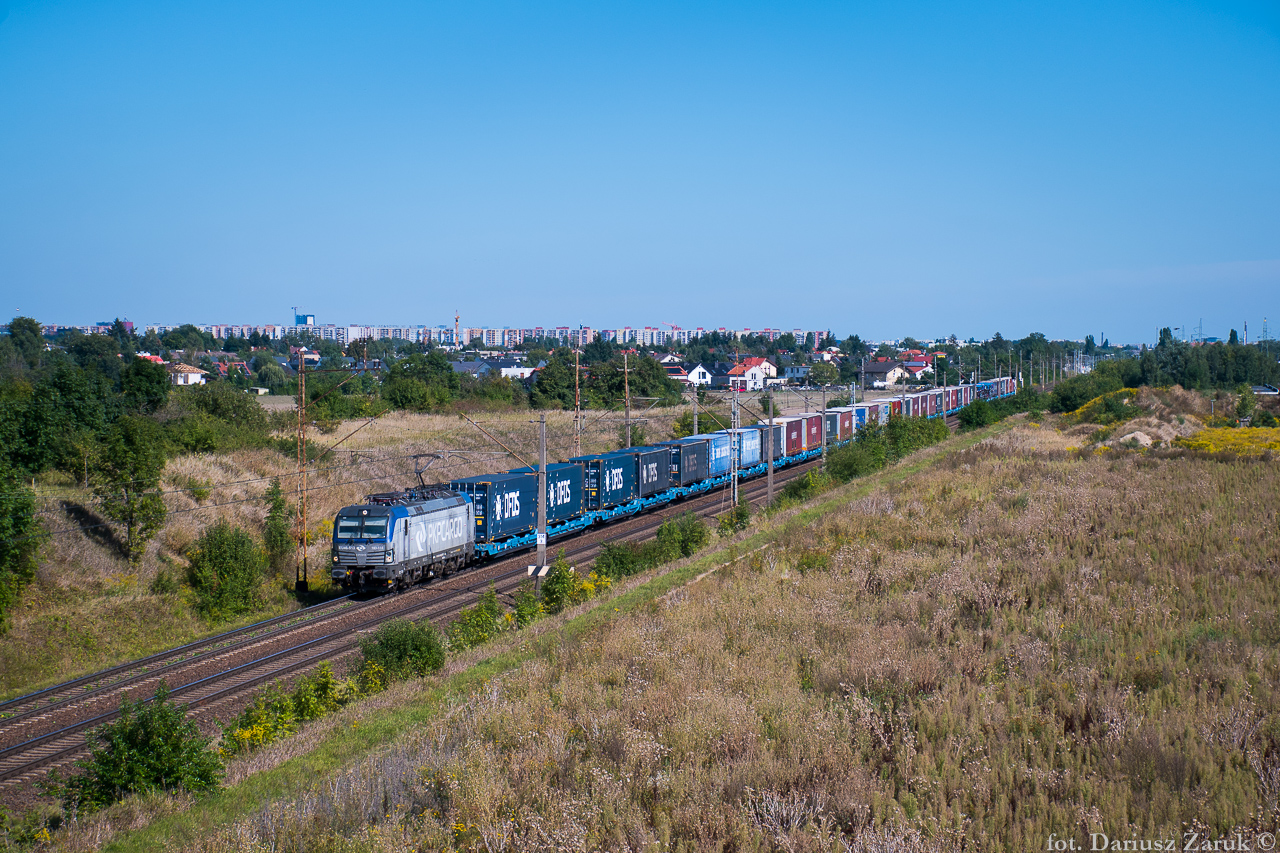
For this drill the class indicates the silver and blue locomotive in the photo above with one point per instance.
(397, 539)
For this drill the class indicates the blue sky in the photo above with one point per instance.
(882, 168)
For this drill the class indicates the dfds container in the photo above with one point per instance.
(688, 460)
(860, 415)
(564, 490)
(505, 504)
(717, 452)
(652, 466)
(748, 447)
(607, 480)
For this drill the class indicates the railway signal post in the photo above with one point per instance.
(542, 489)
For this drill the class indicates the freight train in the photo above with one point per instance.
(398, 539)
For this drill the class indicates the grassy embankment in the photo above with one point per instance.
(1015, 640)
(89, 608)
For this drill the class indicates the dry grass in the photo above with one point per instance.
(1018, 641)
(89, 608)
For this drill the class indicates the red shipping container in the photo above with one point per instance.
(846, 425)
(812, 431)
(795, 436)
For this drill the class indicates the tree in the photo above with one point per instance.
(225, 571)
(18, 540)
(1244, 407)
(855, 346)
(151, 746)
(126, 479)
(144, 386)
(553, 383)
(1234, 340)
(27, 339)
(823, 373)
(276, 530)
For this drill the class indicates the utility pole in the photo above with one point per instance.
(862, 380)
(542, 490)
(300, 583)
(824, 428)
(694, 388)
(769, 445)
(626, 384)
(577, 408)
(735, 442)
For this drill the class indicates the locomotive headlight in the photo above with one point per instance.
(335, 558)
(391, 558)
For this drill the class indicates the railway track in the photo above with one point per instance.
(213, 677)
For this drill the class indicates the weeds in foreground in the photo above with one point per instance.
(998, 649)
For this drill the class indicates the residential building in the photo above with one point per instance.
(185, 374)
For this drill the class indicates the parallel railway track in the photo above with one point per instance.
(214, 676)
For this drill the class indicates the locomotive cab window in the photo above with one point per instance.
(362, 528)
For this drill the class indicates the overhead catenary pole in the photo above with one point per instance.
(300, 573)
(577, 408)
(626, 386)
(542, 490)
(824, 427)
(769, 449)
(735, 443)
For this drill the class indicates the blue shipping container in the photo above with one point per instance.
(688, 460)
(564, 490)
(748, 447)
(779, 441)
(505, 504)
(607, 480)
(652, 468)
(717, 452)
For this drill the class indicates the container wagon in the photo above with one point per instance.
(689, 462)
(564, 490)
(717, 452)
(504, 505)
(607, 480)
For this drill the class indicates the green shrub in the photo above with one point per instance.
(151, 746)
(404, 649)
(528, 608)
(477, 624)
(1246, 403)
(683, 536)
(276, 532)
(735, 519)
(226, 571)
(275, 714)
(18, 539)
(977, 414)
(558, 586)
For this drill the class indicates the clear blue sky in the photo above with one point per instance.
(880, 168)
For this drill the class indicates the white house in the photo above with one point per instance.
(185, 374)
(699, 375)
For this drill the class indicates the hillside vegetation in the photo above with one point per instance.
(1019, 639)
(88, 606)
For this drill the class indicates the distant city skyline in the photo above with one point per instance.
(893, 169)
(647, 334)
